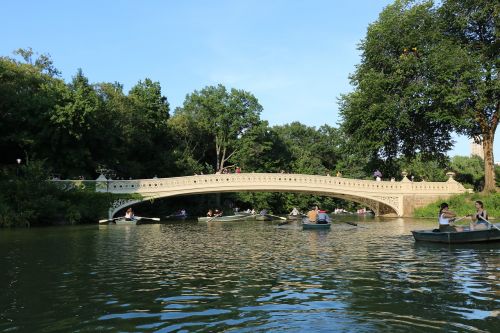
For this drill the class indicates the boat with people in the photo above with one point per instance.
(308, 225)
(136, 220)
(455, 237)
(292, 218)
(228, 218)
(180, 215)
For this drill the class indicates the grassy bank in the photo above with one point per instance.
(464, 204)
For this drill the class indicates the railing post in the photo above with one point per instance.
(101, 184)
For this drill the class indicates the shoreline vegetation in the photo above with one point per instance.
(463, 204)
(412, 90)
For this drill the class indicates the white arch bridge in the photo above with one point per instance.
(383, 197)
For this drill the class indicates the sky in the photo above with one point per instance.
(295, 56)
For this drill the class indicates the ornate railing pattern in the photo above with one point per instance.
(382, 196)
(145, 186)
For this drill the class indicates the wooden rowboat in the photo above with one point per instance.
(229, 218)
(307, 225)
(476, 236)
(135, 221)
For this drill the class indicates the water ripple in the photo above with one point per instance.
(247, 277)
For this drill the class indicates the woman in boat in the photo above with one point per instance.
(445, 218)
(478, 219)
(294, 212)
(210, 213)
(129, 214)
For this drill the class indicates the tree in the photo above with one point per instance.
(28, 94)
(225, 116)
(422, 76)
(146, 132)
(70, 127)
(472, 27)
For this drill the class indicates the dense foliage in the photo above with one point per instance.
(464, 205)
(426, 71)
(28, 199)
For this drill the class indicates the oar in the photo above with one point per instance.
(355, 224)
(211, 219)
(147, 218)
(109, 220)
(459, 219)
(491, 224)
(281, 218)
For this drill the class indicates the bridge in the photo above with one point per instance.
(383, 197)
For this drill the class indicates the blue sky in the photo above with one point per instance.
(295, 56)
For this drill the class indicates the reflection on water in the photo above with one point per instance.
(245, 277)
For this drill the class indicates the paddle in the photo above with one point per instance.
(146, 218)
(212, 218)
(459, 219)
(281, 218)
(109, 220)
(354, 224)
(489, 223)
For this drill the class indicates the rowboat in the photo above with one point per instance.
(475, 236)
(179, 217)
(294, 217)
(307, 225)
(229, 218)
(137, 220)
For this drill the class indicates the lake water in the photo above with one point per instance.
(245, 277)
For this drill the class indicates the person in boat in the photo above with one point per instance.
(217, 213)
(252, 211)
(446, 218)
(129, 214)
(312, 215)
(478, 219)
(294, 212)
(323, 217)
(263, 212)
(210, 213)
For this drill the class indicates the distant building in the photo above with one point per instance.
(476, 149)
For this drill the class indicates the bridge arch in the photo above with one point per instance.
(382, 196)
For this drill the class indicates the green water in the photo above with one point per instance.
(245, 277)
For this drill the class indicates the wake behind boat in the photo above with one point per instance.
(475, 236)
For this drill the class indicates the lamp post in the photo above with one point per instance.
(18, 165)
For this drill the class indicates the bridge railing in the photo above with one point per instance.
(288, 180)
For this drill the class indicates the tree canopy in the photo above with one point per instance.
(426, 71)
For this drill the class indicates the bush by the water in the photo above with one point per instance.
(464, 204)
(27, 198)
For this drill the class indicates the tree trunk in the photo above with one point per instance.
(489, 163)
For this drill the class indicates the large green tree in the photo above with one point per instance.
(425, 72)
(224, 115)
(471, 30)
(29, 91)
